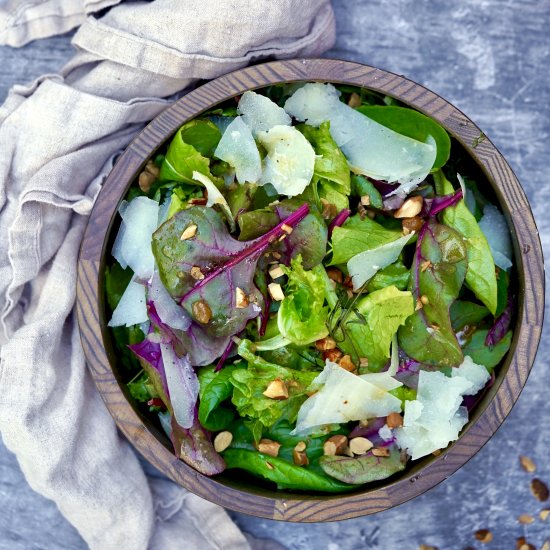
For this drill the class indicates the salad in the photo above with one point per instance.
(309, 285)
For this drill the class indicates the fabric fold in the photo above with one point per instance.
(59, 137)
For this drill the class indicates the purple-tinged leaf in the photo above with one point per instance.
(437, 274)
(183, 385)
(340, 218)
(370, 431)
(499, 329)
(432, 207)
(224, 356)
(470, 401)
(393, 203)
(194, 447)
(150, 359)
(365, 468)
(383, 187)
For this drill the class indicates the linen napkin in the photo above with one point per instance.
(58, 138)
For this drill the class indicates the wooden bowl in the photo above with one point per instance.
(226, 489)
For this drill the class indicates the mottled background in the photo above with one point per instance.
(491, 58)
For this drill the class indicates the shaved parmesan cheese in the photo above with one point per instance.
(494, 227)
(385, 433)
(169, 312)
(436, 417)
(344, 397)
(238, 148)
(132, 246)
(382, 380)
(290, 159)
(132, 309)
(371, 149)
(260, 114)
(365, 265)
(215, 197)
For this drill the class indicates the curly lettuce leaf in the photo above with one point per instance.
(302, 315)
(438, 272)
(250, 383)
(369, 328)
(356, 236)
(330, 163)
(480, 276)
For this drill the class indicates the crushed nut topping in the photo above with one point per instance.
(410, 208)
(222, 441)
(202, 311)
(189, 232)
(360, 445)
(269, 447)
(276, 389)
(196, 273)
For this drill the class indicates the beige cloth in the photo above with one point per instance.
(58, 138)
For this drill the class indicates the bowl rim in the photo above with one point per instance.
(422, 476)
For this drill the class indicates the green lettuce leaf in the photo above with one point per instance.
(332, 193)
(330, 163)
(285, 474)
(302, 316)
(356, 236)
(485, 355)
(438, 272)
(466, 313)
(215, 388)
(361, 187)
(395, 274)
(202, 134)
(480, 276)
(363, 469)
(369, 329)
(250, 383)
(412, 124)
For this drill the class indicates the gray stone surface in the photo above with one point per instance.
(491, 58)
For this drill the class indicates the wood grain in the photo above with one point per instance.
(227, 490)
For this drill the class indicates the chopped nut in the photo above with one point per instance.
(222, 441)
(189, 232)
(360, 445)
(276, 389)
(525, 519)
(365, 200)
(346, 363)
(276, 291)
(275, 272)
(269, 447)
(394, 420)
(329, 210)
(382, 451)
(427, 547)
(332, 355)
(522, 544)
(202, 311)
(437, 452)
(196, 273)
(418, 305)
(544, 514)
(354, 100)
(362, 211)
(145, 181)
(276, 255)
(325, 343)
(411, 225)
(424, 265)
(269, 465)
(286, 228)
(335, 445)
(335, 274)
(300, 458)
(527, 464)
(300, 446)
(410, 208)
(152, 168)
(282, 238)
(424, 299)
(363, 362)
(241, 299)
(348, 282)
(540, 490)
(199, 201)
(484, 535)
